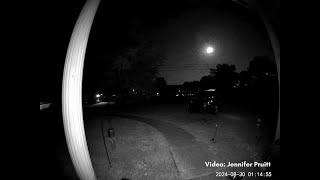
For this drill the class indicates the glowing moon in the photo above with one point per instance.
(210, 50)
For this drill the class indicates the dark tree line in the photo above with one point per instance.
(134, 66)
(258, 83)
(261, 73)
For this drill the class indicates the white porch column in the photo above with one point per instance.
(72, 93)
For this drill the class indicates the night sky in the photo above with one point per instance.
(182, 29)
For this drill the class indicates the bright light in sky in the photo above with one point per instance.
(210, 50)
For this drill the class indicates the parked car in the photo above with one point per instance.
(205, 101)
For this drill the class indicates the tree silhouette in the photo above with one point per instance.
(207, 82)
(224, 76)
(191, 86)
(161, 85)
(265, 84)
(245, 79)
(261, 66)
(137, 68)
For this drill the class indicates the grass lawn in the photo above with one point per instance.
(140, 152)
